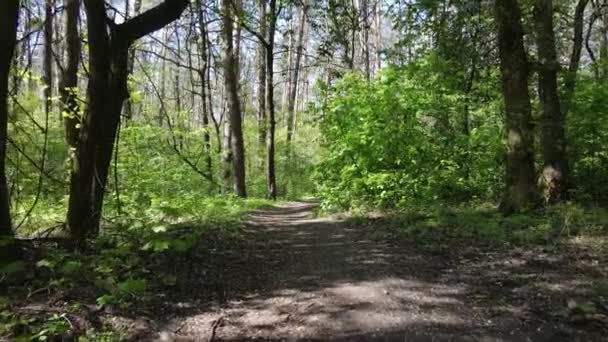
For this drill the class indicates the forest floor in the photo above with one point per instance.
(299, 277)
(290, 275)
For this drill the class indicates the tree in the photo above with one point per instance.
(107, 90)
(48, 55)
(575, 56)
(520, 192)
(293, 88)
(555, 172)
(270, 148)
(262, 75)
(9, 15)
(230, 65)
(69, 78)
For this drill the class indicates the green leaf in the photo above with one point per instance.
(71, 267)
(133, 286)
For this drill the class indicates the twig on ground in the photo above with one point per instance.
(214, 327)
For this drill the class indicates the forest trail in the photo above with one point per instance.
(325, 279)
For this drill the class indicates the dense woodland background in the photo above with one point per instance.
(130, 117)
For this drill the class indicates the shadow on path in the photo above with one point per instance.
(302, 278)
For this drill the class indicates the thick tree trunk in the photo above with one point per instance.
(107, 90)
(9, 14)
(234, 106)
(270, 152)
(262, 76)
(294, 79)
(520, 193)
(69, 77)
(555, 173)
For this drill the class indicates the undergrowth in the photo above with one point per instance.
(482, 223)
(135, 258)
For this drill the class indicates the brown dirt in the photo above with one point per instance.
(301, 278)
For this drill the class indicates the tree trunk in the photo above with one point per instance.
(272, 23)
(204, 83)
(227, 157)
(48, 55)
(163, 75)
(128, 110)
(107, 90)
(232, 96)
(378, 34)
(364, 15)
(555, 173)
(9, 14)
(289, 67)
(520, 193)
(575, 57)
(294, 79)
(262, 76)
(69, 78)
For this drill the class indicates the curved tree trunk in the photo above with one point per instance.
(520, 193)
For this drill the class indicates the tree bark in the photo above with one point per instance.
(234, 107)
(48, 55)
(69, 78)
(262, 76)
(520, 193)
(270, 152)
(555, 172)
(106, 93)
(227, 157)
(9, 14)
(364, 15)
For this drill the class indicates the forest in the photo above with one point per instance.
(303, 170)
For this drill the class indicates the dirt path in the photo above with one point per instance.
(321, 279)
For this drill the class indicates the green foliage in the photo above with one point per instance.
(588, 138)
(399, 140)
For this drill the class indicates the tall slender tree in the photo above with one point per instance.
(270, 151)
(291, 101)
(49, 9)
(234, 107)
(520, 193)
(575, 56)
(261, 56)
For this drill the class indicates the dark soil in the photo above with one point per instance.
(301, 278)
